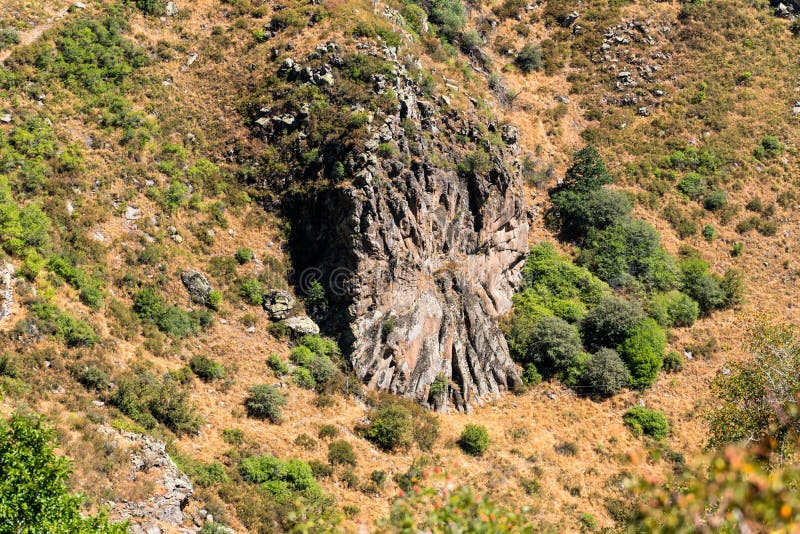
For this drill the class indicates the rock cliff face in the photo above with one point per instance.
(420, 255)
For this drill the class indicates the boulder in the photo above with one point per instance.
(278, 304)
(197, 285)
(302, 325)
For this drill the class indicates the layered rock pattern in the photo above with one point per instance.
(418, 255)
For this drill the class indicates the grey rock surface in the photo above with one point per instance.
(418, 259)
(197, 285)
(278, 304)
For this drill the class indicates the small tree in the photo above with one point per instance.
(390, 427)
(530, 58)
(340, 452)
(588, 171)
(34, 496)
(643, 353)
(648, 422)
(474, 440)
(265, 402)
(605, 374)
(610, 322)
(554, 344)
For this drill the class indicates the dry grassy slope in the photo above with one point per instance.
(201, 99)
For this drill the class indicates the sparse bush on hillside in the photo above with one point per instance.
(243, 255)
(474, 440)
(674, 309)
(251, 291)
(206, 368)
(74, 332)
(530, 58)
(673, 362)
(651, 423)
(8, 37)
(265, 402)
(605, 374)
(395, 423)
(277, 365)
(715, 201)
(341, 452)
(770, 147)
(328, 431)
(92, 377)
(693, 185)
(147, 400)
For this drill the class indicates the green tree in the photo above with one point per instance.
(554, 345)
(605, 374)
(34, 496)
(759, 396)
(643, 353)
(587, 173)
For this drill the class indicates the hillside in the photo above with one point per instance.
(190, 192)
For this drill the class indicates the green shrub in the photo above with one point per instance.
(148, 400)
(151, 7)
(51, 320)
(378, 478)
(390, 427)
(303, 378)
(35, 491)
(277, 365)
(414, 17)
(320, 470)
(554, 345)
(243, 255)
(530, 58)
(673, 362)
(531, 376)
(265, 402)
(449, 15)
(770, 147)
(474, 440)
(643, 352)
(709, 233)
(233, 436)
(280, 478)
(301, 356)
(674, 309)
(628, 249)
(214, 299)
(703, 287)
(610, 322)
(715, 201)
(8, 37)
(605, 374)
(651, 423)
(207, 369)
(341, 452)
(251, 291)
(92, 377)
(328, 431)
(692, 185)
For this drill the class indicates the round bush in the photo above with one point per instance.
(605, 374)
(610, 322)
(674, 309)
(243, 255)
(715, 201)
(651, 423)
(474, 440)
(252, 292)
(643, 353)
(554, 345)
(341, 453)
(265, 402)
(673, 362)
(206, 368)
(390, 427)
(531, 376)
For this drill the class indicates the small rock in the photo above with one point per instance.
(171, 9)
(197, 285)
(192, 58)
(79, 5)
(644, 112)
(5, 118)
(133, 214)
(223, 321)
(302, 325)
(98, 403)
(278, 304)
(251, 330)
(70, 208)
(563, 99)
(177, 238)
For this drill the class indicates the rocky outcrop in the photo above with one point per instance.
(278, 304)
(152, 467)
(197, 285)
(418, 258)
(6, 290)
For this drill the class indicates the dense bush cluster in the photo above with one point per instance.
(265, 402)
(474, 440)
(315, 360)
(150, 308)
(567, 323)
(149, 400)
